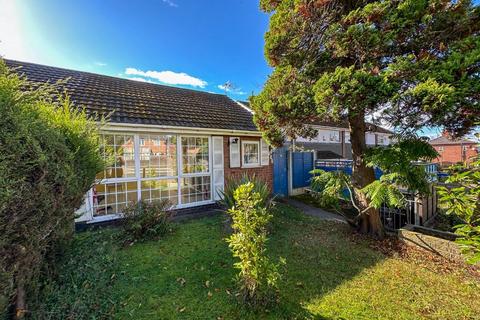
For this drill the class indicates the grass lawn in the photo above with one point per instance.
(329, 274)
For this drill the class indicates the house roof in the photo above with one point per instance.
(134, 102)
(443, 140)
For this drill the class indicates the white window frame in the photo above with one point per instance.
(138, 179)
(381, 139)
(234, 149)
(264, 153)
(182, 175)
(250, 165)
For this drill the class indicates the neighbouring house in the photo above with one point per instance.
(333, 140)
(167, 142)
(452, 151)
(296, 159)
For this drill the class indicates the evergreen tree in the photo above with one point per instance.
(413, 63)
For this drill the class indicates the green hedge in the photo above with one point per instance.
(49, 155)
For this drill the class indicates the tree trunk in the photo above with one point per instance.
(20, 306)
(362, 176)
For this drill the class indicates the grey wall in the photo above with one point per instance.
(334, 147)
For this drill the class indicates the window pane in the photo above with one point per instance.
(112, 198)
(196, 189)
(160, 190)
(251, 153)
(158, 156)
(195, 154)
(118, 152)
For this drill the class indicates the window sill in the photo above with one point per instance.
(253, 166)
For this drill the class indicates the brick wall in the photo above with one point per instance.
(452, 154)
(263, 172)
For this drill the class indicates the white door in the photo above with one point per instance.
(217, 167)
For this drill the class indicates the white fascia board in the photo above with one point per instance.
(131, 127)
(342, 129)
(317, 127)
(244, 107)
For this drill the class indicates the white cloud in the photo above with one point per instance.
(100, 64)
(170, 3)
(140, 79)
(229, 88)
(168, 77)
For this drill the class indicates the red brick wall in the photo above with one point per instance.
(263, 172)
(453, 153)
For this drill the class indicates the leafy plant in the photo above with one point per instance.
(397, 162)
(259, 186)
(327, 187)
(145, 220)
(461, 197)
(258, 276)
(385, 191)
(49, 155)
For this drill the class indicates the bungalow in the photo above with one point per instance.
(167, 143)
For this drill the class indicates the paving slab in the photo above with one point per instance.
(314, 211)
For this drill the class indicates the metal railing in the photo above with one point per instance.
(391, 217)
(396, 218)
(333, 163)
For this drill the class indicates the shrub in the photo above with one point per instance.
(82, 287)
(48, 160)
(327, 187)
(259, 186)
(145, 220)
(258, 276)
(461, 198)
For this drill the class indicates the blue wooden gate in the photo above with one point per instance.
(280, 172)
(302, 164)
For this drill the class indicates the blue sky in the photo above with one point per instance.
(189, 43)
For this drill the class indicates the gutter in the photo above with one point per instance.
(131, 127)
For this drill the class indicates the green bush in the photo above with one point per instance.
(258, 276)
(49, 155)
(327, 187)
(82, 286)
(259, 186)
(145, 220)
(460, 196)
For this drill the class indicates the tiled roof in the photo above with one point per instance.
(137, 102)
(442, 140)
